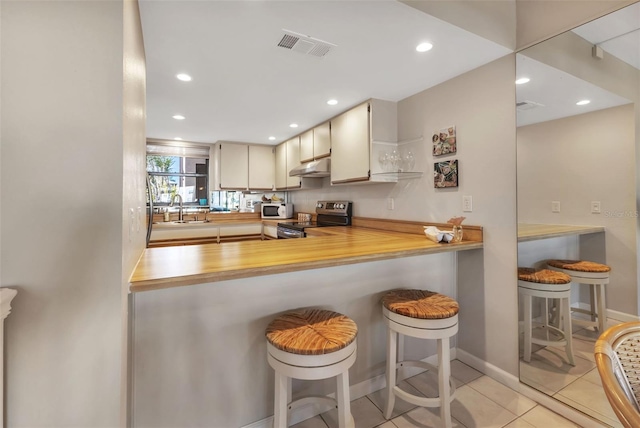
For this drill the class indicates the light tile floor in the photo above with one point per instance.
(480, 402)
(578, 386)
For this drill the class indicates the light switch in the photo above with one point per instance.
(467, 204)
(555, 206)
(595, 207)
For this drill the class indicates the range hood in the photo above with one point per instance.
(317, 168)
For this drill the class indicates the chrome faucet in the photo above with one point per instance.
(173, 198)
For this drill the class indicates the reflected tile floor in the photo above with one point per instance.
(480, 402)
(578, 386)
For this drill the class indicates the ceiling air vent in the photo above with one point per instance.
(527, 105)
(305, 44)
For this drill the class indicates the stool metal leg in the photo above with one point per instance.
(345, 420)
(282, 391)
(444, 389)
(567, 330)
(391, 371)
(594, 307)
(527, 327)
(602, 308)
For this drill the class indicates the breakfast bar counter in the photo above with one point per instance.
(530, 232)
(324, 247)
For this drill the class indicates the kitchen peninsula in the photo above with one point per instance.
(200, 312)
(326, 247)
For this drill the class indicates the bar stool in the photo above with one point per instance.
(594, 274)
(425, 315)
(311, 344)
(547, 284)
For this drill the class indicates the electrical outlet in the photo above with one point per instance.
(467, 204)
(555, 206)
(390, 204)
(595, 207)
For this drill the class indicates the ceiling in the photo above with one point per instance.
(245, 88)
(556, 92)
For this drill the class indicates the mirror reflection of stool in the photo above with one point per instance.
(311, 344)
(426, 315)
(596, 275)
(546, 284)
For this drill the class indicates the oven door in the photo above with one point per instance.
(285, 233)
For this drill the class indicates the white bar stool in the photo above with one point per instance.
(546, 284)
(311, 344)
(425, 315)
(596, 275)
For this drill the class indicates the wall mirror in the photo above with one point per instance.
(577, 145)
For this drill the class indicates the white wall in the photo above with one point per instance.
(63, 178)
(486, 155)
(133, 183)
(576, 160)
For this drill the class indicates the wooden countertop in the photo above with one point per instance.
(530, 232)
(325, 247)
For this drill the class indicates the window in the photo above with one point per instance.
(182, 170)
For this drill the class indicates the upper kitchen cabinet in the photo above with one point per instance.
(246, 167)
(234, 166)
(316, 143)
(287, 158)
(281, 167)
(353, 136)
(261, 167)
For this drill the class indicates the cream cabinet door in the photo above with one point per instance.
(321, 141)
(234, 166)
(306, 146)
(293, 160)
(281, 166)
(350, 143)
(261, 167)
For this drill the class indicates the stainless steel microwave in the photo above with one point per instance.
(276, 210)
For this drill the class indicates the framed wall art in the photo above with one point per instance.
(444, 142)
(445, 174)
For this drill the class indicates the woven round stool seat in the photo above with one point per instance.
(421, 304)
(311, 344)
(579, 265)
(311, 332)
(420, 314)
(546, 284)
(596, 276)
(542, 276)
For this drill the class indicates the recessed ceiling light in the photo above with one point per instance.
(178, 117)
(583, 102)
(522, 80)
(272, 138)
(293, 125)
(178, 139)
(332, 102)
(423, 47)
(184, 77)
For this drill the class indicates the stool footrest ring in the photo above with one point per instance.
(313, 399)
(422, 401)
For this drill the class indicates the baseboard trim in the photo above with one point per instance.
(616, 315)
(356, 391)
(488, 369)
(621, 316)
